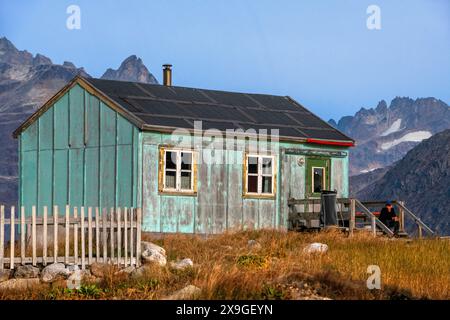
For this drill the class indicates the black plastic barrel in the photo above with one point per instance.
(328, 214)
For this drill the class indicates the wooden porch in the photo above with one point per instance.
(354, 214)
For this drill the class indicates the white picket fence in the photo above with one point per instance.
(89, 235)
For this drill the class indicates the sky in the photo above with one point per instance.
(320, 53)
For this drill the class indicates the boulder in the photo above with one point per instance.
(26, 272)
(187, 293)
(316, 247)
(182, 264)
(253, 245)
(5, 275)
(99, 269)
(152, 253)
(19, 284)
(54, 272)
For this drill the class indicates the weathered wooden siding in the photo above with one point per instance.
(79, 152)
(219, 204)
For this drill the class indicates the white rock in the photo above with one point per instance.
(316, 247)
(55, 271)
(182, 264)
(186, 293)
(152, 253)
(18, 284)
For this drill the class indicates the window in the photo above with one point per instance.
(318, 181)
(177, 171)
(259, 177)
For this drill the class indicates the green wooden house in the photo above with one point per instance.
(186, 156)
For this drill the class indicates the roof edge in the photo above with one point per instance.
(329, 125)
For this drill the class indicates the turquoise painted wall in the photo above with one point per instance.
(79, 152)
(219, 204)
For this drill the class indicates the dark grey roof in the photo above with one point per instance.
(179, 107)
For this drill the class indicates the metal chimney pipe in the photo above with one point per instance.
(167, 74)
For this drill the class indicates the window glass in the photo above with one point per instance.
(267, 166)
(252, 184)
(171, 179)
(186, 180)
(171, 160)
(186, 160)
(318, 175)
(266, 184)
(252, 165)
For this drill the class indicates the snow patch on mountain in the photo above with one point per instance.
(393, 128)
(416, 136)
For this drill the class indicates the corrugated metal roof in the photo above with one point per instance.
(179, 107)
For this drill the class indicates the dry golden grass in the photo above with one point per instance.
(225, 268)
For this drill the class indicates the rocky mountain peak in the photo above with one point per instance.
(40, 59)
(131, 69)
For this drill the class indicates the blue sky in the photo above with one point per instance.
(319, 52)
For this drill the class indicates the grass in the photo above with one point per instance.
(225, 268)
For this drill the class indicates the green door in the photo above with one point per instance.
(317, 176)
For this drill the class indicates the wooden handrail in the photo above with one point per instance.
(373, 217)
(416, 219)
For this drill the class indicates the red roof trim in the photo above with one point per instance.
(331, 143)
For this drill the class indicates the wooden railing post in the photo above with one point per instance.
(373, 226)
(401, 216)
(352, 216)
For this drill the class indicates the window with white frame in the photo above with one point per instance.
(260, 175)
(178, 171)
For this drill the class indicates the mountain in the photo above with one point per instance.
(26, 82)
(385, 134)
(131, 69)
(422, 180)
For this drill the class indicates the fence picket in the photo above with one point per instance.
(105, 237)
(22, 235)
(12, 238)
(75, 236)
(131, 235)
(33, 234)
(2, 234)
(90, 235)
(125, 236)
(83, 253)
(44, 240)
(66, 258)
(119, 236)
(97, 235)
(138, 236)
(111, 234)
(55, 234)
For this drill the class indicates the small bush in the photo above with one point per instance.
(252, 260)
